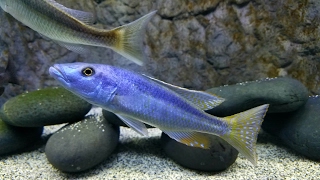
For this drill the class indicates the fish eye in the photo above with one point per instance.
(88, 71)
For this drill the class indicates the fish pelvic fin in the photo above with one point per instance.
(129, 41)
(244, 129)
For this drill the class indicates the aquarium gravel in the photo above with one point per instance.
(140, 157)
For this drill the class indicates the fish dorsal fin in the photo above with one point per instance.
(139, 127)
(203, 100)
(85, 17)
(193, 139)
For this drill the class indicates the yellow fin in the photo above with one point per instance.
(194, 139)
(244, 129)
(130, 39)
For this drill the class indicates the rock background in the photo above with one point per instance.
(196, 44)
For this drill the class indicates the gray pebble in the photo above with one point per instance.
(82, 145)
(44, 107)
(283, 94)
(299, 130)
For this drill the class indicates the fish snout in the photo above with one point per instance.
(57, 72)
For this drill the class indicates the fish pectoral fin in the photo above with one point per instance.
(85, 17)
(77, 48)
(194, 139)
(202, 100)
(136, 125)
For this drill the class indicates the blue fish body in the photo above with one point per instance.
(179, 112)
(146, 100)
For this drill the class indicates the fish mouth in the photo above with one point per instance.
(58, 74)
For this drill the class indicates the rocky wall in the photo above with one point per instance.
(196, 44)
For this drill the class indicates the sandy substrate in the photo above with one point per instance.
(142, 158)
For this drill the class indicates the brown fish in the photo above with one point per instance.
(71, 28)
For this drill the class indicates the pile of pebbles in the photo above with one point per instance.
(87, 140)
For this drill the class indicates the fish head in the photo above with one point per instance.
(91, 82)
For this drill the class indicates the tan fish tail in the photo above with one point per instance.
(130, 39)
(244, 129)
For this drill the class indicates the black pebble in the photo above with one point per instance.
(14, 138)
(218, 157)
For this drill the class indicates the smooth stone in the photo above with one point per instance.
(219, 157)
(82, 145)
(299, 130)
(44, 107)
(13, 138)
(284, 94)
(114, 119)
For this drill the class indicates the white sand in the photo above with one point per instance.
(142, 158)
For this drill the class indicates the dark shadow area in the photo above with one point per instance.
(38, 145)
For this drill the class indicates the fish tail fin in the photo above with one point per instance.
(130, 39)
(244, 129)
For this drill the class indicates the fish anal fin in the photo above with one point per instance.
(193, 139)
(202, 100)
(136, 125)
(130, 39)
(85, 17)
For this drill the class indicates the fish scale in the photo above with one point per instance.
(186, 115)
(137, 99)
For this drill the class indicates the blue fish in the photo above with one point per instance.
(137, 99)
